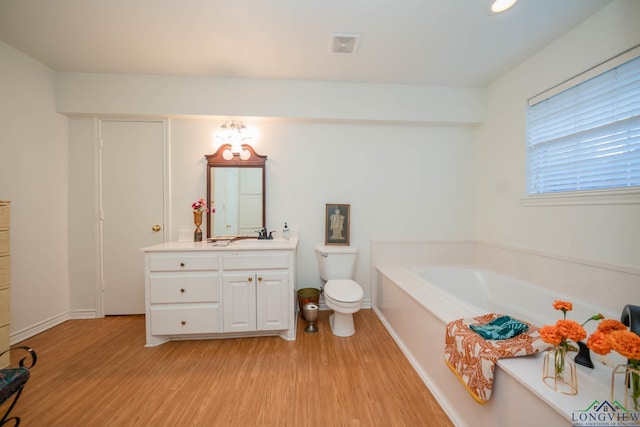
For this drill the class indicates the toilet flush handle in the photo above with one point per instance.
(323, 254)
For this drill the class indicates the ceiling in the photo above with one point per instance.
(427, 42)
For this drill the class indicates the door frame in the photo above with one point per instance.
(166, 228)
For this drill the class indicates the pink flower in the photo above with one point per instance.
(199, 205)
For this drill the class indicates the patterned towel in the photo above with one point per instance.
(500, 328)
(473, 359)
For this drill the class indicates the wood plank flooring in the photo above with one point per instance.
(98, 373)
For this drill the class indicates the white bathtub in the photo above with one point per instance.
(415, 304)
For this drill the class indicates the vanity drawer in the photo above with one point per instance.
(4, 241)
(191, 319)
(251, 262)
(183, 262)
(184, 287)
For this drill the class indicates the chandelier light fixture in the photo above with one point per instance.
(234, 133)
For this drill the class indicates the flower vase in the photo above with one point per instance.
(625, 386)
(197, 220)
(559, 371)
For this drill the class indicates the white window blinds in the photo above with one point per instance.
(587, 137)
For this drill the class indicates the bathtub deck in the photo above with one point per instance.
(416, 316)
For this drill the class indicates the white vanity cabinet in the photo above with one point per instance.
(183, 294)
(256, 292)
(200, 291)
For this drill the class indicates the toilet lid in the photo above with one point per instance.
(343, 290)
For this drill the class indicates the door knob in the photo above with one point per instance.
(156, 228)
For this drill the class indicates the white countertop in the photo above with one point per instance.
(251, 244)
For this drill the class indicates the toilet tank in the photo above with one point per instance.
(336, 262)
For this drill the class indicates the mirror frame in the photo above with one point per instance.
(217, 160)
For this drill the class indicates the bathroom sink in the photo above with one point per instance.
(256, 241)
(260, 244)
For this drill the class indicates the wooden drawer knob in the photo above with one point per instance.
(183, 322)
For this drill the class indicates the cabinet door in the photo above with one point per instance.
(272, 305)
(239, 302)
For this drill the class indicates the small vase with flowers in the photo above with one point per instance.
(559, 369)
(198, 207)
(613, 335)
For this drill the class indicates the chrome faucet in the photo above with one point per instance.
(262, 234)
(631, 317)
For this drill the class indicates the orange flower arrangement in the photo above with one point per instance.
(599, 341)
(626, 343)
(564, 306)
(564, 331)
(614, 335)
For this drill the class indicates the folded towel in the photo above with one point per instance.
(473, 359)
(502, 328)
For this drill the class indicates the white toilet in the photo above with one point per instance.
(341, 294)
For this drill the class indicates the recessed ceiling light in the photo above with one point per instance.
(498, 6)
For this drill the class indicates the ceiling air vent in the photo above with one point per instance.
(344, 44)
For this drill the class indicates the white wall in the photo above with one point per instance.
(83, 216)
(604, 233)
(402, 181)
(405, 177)
(198, 96)
(33, 175)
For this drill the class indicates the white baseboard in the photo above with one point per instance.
(82, 314)
(49, 323)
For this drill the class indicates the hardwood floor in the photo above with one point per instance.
(98, 373)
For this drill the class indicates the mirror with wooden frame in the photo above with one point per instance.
(235, 189)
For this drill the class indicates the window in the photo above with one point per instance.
(585, 133)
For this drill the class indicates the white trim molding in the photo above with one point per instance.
(623, 196)
(37, 328)
(88, 313)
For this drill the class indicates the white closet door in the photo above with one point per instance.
(132, 204)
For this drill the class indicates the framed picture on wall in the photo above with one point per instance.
(337, 223)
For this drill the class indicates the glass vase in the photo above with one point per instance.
(197, 220)
(559, 371)
(625, 386)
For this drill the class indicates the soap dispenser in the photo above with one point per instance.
(285, 232)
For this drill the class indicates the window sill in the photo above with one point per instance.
(627, 196)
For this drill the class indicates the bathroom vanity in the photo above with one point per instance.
(196, 290)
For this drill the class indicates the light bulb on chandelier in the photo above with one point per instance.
(234, 133)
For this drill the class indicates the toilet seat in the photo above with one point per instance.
(346, 291)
